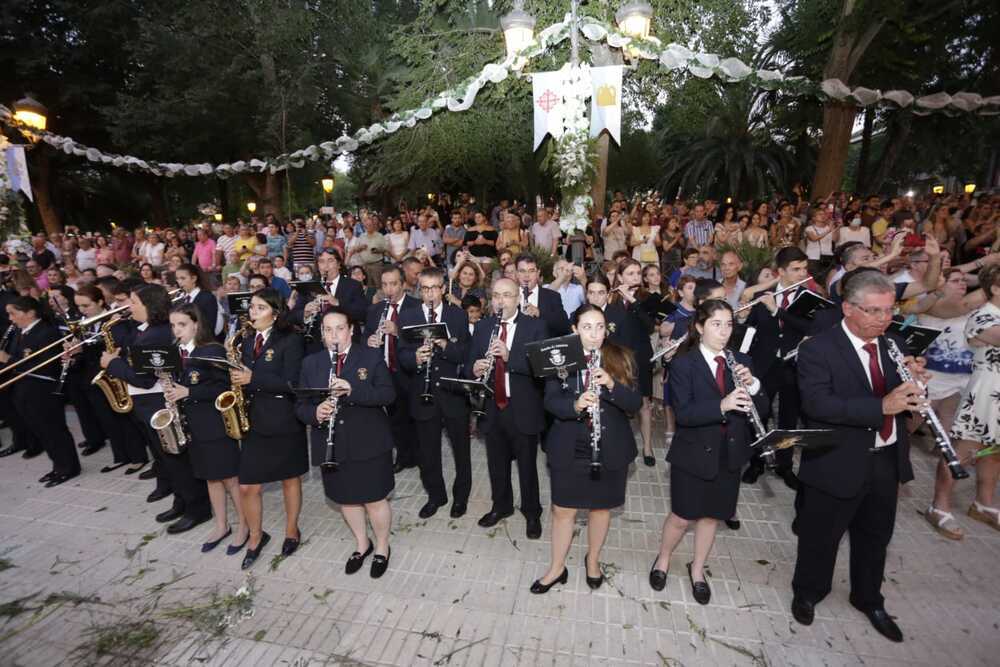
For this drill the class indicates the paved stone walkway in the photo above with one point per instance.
(87, 577)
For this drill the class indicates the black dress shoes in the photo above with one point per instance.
(802, 610)
(8, 451)
(492, 518)
(157, 495)
(538, 588)
(208, 546)
(148, 474)
(380, 564)
(252, 555)
(650, 461)
(29, 454)
(290, 545)
(791, 481)
(134, 468)
(534, 528)
(171, 514)
(428, 510)
(60, 478)
(733, 524)
(113, 467)
(699, 589)
(751, 474)
(46, 477)
(657, 578)
(186, 524)
(91, 449)
(593, 582)
(457, 511)
(882, 622)
(233, 549)
(357, 559)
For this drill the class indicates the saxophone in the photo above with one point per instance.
(232, 404)
(169, 424)
(114, 389)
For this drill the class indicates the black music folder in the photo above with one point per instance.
(556, 356)
(915, 338)
(155, 358)
(462, 386)
(239, 303)
(308, 288)
(419, 333)
(779, 439)
(807, 303)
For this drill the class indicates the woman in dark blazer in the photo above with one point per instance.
(362, 444)
(568, 447)
(275, 448)
(215, 457)
(711, 443)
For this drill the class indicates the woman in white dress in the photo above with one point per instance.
(977, 423)
(398, 239)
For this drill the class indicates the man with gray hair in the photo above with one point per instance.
(849, 384)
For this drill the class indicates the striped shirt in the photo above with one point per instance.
(699, 233)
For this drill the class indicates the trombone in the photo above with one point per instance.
(86, 341)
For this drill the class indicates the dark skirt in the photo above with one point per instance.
(359, 482)
(692, 498)
(273, 458)
(215, 459)
(644, 375)
(573, 487)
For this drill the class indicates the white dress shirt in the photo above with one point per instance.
(438, 312)
(511, 326)
(863, 357)
(710, 360)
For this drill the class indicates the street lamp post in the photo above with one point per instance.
(31, 112)
(518, 28)
(327, 184)
(251, 206)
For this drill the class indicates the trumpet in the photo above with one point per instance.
(330, 458)
(751, 304)
(169, 424)
(941, 440)
(595, 414)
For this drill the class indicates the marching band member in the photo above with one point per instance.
(361, 431)
(32, 394)
(339, 291)
(711, 443)
(197, 291)
(447, 407)
(569, 446)
(538, 301)
(214, 456)
(850, 384)
(275, 448)
(514, 413)
(387, 312)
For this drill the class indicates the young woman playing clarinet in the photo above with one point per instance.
(589, 446)
(712, 439)
(214, 456)
(275, 448)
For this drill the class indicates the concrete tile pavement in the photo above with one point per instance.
(93, 563)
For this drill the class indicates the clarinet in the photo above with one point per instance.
(427, 397)
(63, 372)
(380, 332)
(755, 421)
(941, 440)
(330, 459)
(595, 415)
(479, 397)
(7, 336)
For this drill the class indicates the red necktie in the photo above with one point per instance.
(258, 345)
(720, 379)
(878, 386)
(340, 362)
(184, 358)
(785, 298)
(500, 373)
(391, 340)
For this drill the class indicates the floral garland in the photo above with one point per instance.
(11, 212)
(574, 163)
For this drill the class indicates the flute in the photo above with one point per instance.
(753, 303)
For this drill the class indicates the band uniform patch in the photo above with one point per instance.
(362, 374)
(27, 352)
(195, 377)
(269, 355)
(612, 327)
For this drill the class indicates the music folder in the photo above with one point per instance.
(915, 338)
(239, 303)
(812, 439)
(807, 303)
(556, 356)
(418, 333)
(155, 358)
(308, 288)
(463, 386)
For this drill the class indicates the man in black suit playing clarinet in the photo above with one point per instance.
(538, 301)
(849, 384)
(514, 414)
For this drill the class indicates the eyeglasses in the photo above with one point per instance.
(430, 288)
(875, 312)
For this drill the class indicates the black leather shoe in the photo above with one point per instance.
(380, 564)
(882, 622)
(290, 545)
(428, 510)
(113, 467)
(593, 582)
(46, 477)
(751, 474)
(32, 454)
(657, 578)
(802, 610)
(134, 468)
(357, 559)
(147, 474)
(171, 514)
(457, 511)
(538, 588)
(233, 549)
(60, 478)
(791, 481)
(91, 449)
(186, 524)
(492, 518)
(252, 555)
(157, 495)
(650, 461)
(702, 593)
(733, 524)
(8, 451)
(534, 528)
(208, 546)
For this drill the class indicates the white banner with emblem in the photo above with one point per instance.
(606, 101)
(547, 99)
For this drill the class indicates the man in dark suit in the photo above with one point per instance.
(514, 413)
(446, 406)
(778, 333)
(340, 291)
(849, 384)
(396, 301)
(197, 291)
(538, 301)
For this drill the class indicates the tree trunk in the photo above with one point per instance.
(900, 129)
(157, 203)
(41, 177)
(599, 188)
(861, 177)
(267, 188)
(838, 122)
(223, 187)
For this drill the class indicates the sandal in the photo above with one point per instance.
(988, 515)
(944, 523)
